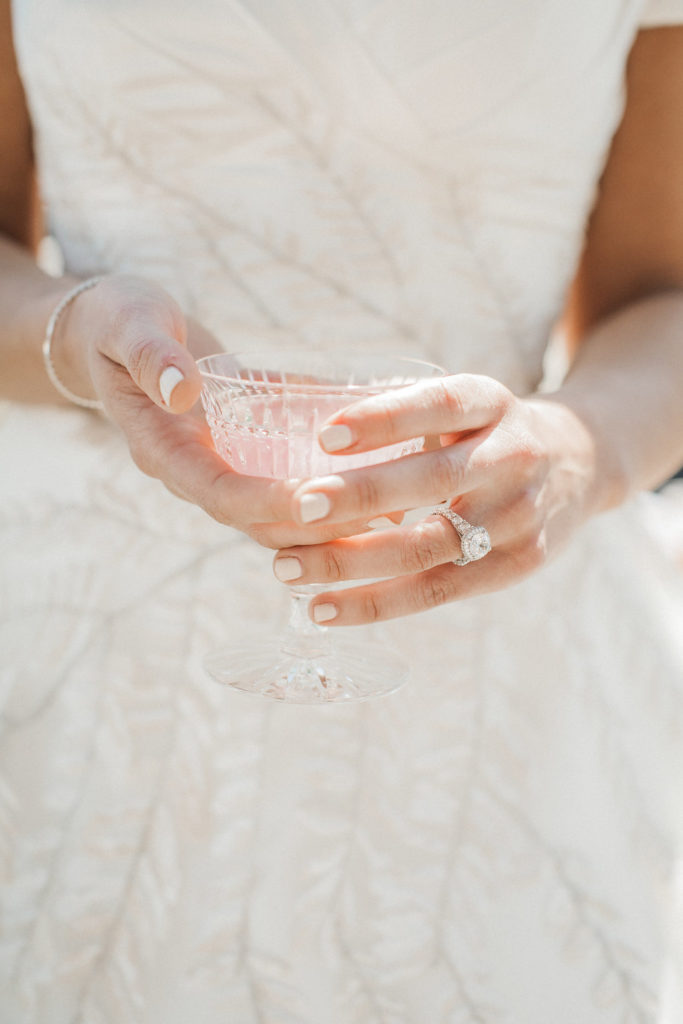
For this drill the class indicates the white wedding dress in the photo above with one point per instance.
(499, 843)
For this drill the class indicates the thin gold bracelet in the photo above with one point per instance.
(87, 403)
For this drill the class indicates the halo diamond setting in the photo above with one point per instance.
(474, 540)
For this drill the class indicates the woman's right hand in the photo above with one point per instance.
(121, 341)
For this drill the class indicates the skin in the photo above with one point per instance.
(532, 469)
(113, 343)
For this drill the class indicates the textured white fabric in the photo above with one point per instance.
(499, 842)
(662, 12)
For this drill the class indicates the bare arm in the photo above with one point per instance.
(114, 343)
(634, 245)
(26, 295)
(625, 315)
(18, 205)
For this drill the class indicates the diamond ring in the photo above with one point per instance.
(474, 540)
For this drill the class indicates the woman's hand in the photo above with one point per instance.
(522, 468)
(127, 342)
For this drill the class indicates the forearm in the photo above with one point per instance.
(27, 297)
(625, 386)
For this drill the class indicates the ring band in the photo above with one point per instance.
(474, 540)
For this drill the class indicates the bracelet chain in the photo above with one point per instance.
(87, 403)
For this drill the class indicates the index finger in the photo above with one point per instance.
(178, 450)
(448, 405)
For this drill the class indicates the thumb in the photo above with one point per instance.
(162, 367)
(147, 338)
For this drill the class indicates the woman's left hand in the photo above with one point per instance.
(525, 469)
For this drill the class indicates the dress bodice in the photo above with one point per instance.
(500, 841)
(415, 177)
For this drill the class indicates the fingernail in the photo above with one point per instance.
(325, 612)
(380, 522)
(168, 382)
(287, 569)
(336, 437)
(313, 506)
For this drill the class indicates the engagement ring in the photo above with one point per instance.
(474, 540)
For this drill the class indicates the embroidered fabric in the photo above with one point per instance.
(498, 843)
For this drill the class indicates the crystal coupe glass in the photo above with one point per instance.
(265, 412)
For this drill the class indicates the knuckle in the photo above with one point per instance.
(142, 356)
(390, 417)
(211, 498)
(125, 315)
(447, 394)
(446, 475)
(433, 590)
(502, 398)
(367, 494)
(527, 512)
(416, 553)
(527, 457)
(370, 607)
(530, 457)
(332, 564)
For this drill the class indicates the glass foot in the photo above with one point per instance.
(356, 672)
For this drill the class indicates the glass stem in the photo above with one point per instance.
(302, 637)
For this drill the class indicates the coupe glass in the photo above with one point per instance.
(265, 412)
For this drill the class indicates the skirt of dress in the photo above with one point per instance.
(498, 842)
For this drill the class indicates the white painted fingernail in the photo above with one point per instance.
(336, 437)
(168, 382)
(325, 612)
(287, 569)
(381, 522)
(314, 506)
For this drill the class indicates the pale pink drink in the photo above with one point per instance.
(265, 413)
(276, 436)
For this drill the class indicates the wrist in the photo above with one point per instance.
(64, 347)
(573, 429)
